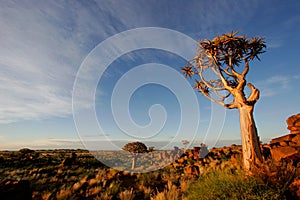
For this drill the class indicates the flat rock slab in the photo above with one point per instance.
(285, 138)
(286, 152)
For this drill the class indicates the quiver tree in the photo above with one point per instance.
(135, 148)
(227, 57)
(185, 143)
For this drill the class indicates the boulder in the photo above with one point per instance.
(233, 159)
(296, 139)
(296, 132)
(192, 171)
(295, 189)
(293, 120)
(286, 153)
(280, 139)
(181, 160)
(293, 123)
(287, 147)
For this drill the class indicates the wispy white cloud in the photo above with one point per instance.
(42, 46)
(44, 43)
(42, 144)
(275, 85)
(275, 42)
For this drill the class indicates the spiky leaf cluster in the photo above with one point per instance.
(230, 49)
(227, 56)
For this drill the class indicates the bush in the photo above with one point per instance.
(225, 185)
(171, 192)
(279, 176)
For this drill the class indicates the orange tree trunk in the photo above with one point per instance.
(250, 141)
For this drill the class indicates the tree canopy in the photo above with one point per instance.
(228, 57)
(135, 147)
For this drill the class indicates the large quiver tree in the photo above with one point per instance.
(227, 57)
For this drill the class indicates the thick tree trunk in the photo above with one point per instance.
(250, 141)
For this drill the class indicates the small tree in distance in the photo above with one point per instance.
(228, 58)
(185, 143)
(135, 148)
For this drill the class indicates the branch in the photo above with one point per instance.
(207, 83)
(231, 105)
(221, 102)
(221, 96)
(254, 96)
(242, 81)
(227, 72)
(246, 70)
(219, 73)
(232, 69)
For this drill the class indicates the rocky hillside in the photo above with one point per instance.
(287, 147)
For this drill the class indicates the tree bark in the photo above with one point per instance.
(250, 141)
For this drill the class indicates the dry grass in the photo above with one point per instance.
(103, 196)
(53, 181)
(64, 194)
(127, 195)
(170, 193)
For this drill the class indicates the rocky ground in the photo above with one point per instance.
(77, 174)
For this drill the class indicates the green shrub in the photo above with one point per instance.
(113, 189)
(225, 185)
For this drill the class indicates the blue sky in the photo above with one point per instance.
(43, 45)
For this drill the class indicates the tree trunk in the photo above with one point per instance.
(133, 161)
(250, 141)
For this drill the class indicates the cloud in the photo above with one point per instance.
(275, 42)
(42, 144)
(275, 85)
(42, 46)
(44, 43)
(95, 135)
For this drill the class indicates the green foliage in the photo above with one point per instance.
(135, 147)
(145, 179)
(113, 189)
(225, 185)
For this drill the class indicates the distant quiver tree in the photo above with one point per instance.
(135, 148)
(185, 143)
(228, 57)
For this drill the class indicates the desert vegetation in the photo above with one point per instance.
(76, 174)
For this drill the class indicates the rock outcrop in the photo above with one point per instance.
(287, 147)
(293, 123)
